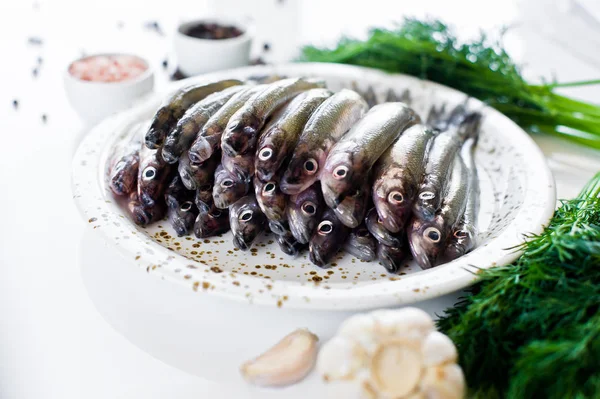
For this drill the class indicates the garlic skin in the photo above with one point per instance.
(393, 354)
(288, 362)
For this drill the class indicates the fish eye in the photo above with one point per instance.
(427, 195)
(215, 214)
(309, 208)
(461, 234)
(227, 183)
(340, 172)
(396, 198)
(186, 206)
(325, 227)
(310, 166)
(269, 188)
(149, 173)
(206, 187)
(265, 154)
(246, 215)
(432, 234)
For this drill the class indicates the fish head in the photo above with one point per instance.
(269, 154)
(240, 134)
(204, 196)
(327, 239)
(271, 199)
(288, 244)
(240, 165)
(427, 240)
(302, 171)
(462, 241)
(200, 151)
(246, 221)
(392, 257)
(210, 222)
(337, 178)
(393, 198)
(188, 173)
(377, 229)
(161, 123)
(150, 182)
(227, 189)
(182, 218)
(143, 215)
(303, 212)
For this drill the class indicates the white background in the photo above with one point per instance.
(67, 301)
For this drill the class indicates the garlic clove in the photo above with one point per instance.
(444, 382)
(438, 349)
(360, 328)
(289, 361)
(340, 358)
(406, 321)
(396, 368)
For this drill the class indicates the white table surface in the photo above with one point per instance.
(76, 321)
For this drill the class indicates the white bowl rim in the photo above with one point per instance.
(149, 72)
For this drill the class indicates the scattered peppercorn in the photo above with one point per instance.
(266, 46)
(15, 104)
(155, 26)
(165, 63)
(44, 118)
(35, 41)
(35, 72)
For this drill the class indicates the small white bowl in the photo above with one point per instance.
(94, 101)
(196, 56)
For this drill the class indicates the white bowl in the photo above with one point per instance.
(196, 56)
(94, 101)
(517, 198)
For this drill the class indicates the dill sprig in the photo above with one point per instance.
(532, 329)
(480, 68)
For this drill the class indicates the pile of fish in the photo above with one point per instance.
(318, 169)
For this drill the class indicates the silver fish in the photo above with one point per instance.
(194, 176)
(228, 188)
(464, 233)
(270, 199)
(350, 160)
(209, 139)
(361, 244)
(280, 135)
(211, 222)
(288, 244)
(351, 211)
(153, 175)
(204, 196)
(427, 238)
(141, 214)
(392, 258)
(325, 127)
(181, 210)
(328, 239)
(246, 221)
(180, 138)
(175, 106)
(244, 126)
(124, 171)
(304, 212)
(383, 235)
(397, 175)
(240, 165)
(440, 158)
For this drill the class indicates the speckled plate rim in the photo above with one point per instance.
(92, 201)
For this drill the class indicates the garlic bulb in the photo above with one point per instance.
(395, 354)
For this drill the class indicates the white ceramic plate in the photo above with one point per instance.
(517, 198)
